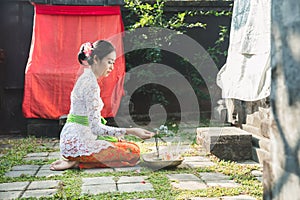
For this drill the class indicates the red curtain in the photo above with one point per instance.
(53, 67)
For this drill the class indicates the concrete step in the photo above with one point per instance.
(227, 143)
(259, 155)
(265, 128)
(261, 142)
(264, 113)
(251, 129)
(43, 128)
(253, 119)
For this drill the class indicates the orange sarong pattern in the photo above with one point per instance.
(123, 154)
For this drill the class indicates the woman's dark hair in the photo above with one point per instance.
(100, 48)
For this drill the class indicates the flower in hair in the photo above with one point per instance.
(88, 49)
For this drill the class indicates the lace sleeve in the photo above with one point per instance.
(94, 106)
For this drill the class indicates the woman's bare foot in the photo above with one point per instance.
(60, 165)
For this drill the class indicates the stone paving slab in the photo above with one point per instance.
(14, 174)
(39, 193)
(240, 197)
(32, 170)
(209, 176)
(13, 186)
(48, 184)
(42, 156)
(38, 189)
(35, 189)
(189, 185)
(183, 177)
(98, 180)
(132, 179)
(186, 181)
(10, 195)
(213, 179)
(222, 183)
(126, 169)
(36, 156)
(134, 187)
(145, 199)
(54, 155)
(97, 170)
(97, 189)
(45, 171)
(97, 185)
(196, 159)
(25, 168)
(198, 162)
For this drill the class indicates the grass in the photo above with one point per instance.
(71, 180)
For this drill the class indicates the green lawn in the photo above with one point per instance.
(16, 149)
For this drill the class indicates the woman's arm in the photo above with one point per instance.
(94, 106)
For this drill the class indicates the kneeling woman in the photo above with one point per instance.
(80, 145)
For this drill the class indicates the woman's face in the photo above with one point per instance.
(105, 66)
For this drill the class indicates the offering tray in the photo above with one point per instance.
(151, 161)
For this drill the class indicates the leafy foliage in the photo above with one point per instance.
(152, 14)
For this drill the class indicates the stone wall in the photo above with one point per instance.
(258, 123)
(282, 172)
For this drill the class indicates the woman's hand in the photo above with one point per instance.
(139, 132)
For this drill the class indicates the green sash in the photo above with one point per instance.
(83, 120)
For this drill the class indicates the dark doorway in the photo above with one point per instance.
(16, 27)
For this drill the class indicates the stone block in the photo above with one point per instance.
(128, 169)
(227, 143)
(54, 155)
(97, 170)
(253, 119)
(251, 129)
(15, 186)
(97, 189)
(196, 159)
(98, 181)
(25, 167)
(41, 154)
(265, 128)
(135, 187)
(14, 174)
(259, 155)
(49, 173)
(223, 183)
(189, 185)
(211, 176)
(261, 142)
(35, 158)
(132, 179)
(199, 164)
(39, 193)
(186, 181)
(183, 177)
(48, 184)
(264, 113)
(10, 195)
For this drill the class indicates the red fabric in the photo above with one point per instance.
(52, 67)
(77, 10)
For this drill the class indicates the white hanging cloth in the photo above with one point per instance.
(247, 74)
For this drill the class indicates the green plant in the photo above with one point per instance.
(143, 14)
(152, 14)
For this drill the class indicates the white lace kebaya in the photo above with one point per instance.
(77, 139)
